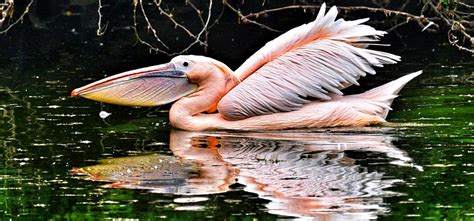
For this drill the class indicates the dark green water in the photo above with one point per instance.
(419, 167)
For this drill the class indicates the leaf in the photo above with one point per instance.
(445, 3)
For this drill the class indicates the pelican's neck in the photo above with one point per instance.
(218, 81)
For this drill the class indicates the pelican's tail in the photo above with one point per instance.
(378, 100)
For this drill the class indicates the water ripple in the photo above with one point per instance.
(301, 174)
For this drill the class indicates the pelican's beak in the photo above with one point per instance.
(150, 86)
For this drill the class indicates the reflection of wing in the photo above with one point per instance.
(301, 173)
(310, 184)
(309, 61)
(340, 139)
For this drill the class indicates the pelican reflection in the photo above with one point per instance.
(302, 174)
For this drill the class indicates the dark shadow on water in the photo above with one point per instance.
(299, 173)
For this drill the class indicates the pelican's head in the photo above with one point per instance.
(160, 84)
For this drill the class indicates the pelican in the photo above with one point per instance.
(294, 81)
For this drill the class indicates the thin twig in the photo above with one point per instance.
(204, 28)
(201, 19)
(440, 15)
(247, 20)
(101, 29)
(196, 37)
(177, 24)
(150, 27)
(454, 26)
(6, 10)
(423, 21)
(453, 40)
(137, 35)
(465, 5)
(19, 19)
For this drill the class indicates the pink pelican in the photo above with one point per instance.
(294, 81)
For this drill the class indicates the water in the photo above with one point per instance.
(60, 160)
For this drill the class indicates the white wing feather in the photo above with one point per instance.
(306, 63)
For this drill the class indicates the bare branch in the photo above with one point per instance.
(204, 28)
(101, 29)
(170, 17)
(454, 41)
(245, 19)
(198, 38)
(11, 3)
(465, 5)
(137, 35)
(150, 27)
(453, 19)
(387, 12)
(6, 10)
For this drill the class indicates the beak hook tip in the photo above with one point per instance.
(74, 93)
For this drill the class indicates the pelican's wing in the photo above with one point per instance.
(308, 62)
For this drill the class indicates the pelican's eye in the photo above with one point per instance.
(185, 64)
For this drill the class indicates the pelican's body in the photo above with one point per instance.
(294, 81)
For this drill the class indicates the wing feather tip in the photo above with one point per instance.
(349, 33)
